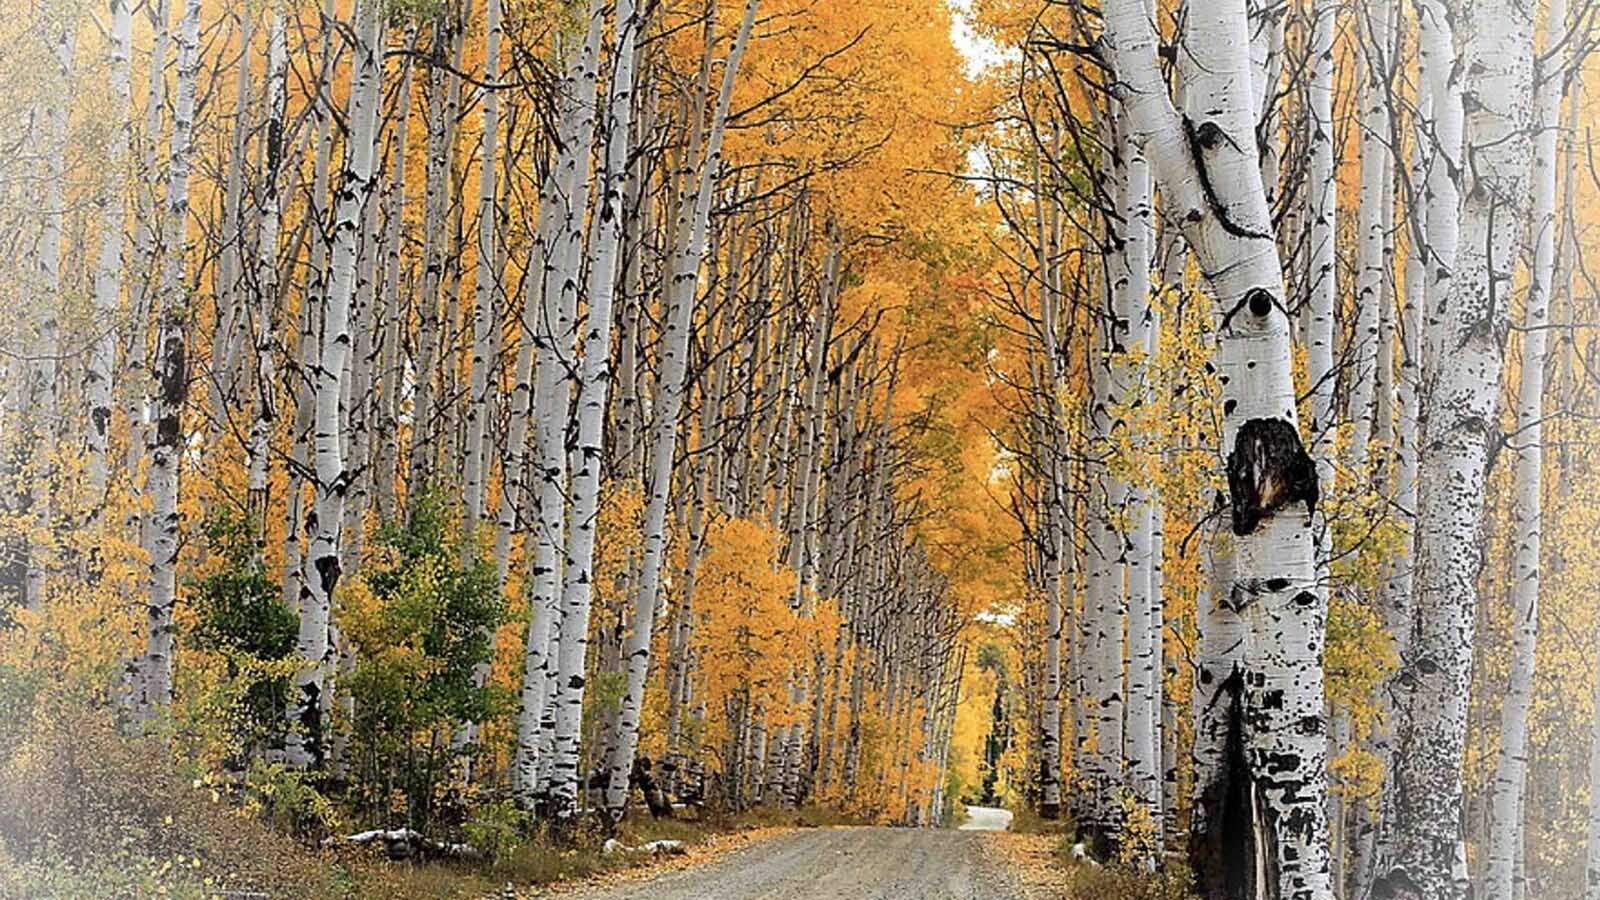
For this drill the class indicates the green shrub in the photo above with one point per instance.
(422, 617)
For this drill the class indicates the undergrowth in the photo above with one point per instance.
(1123, 882)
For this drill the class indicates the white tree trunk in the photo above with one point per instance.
(296, 532)
(305, 744)
(673, 386)
(513, 468)
(1436, 53)
(1053, 526)
(1206, 165)
(1505, 836)
(1134, 332)
(444, 88)
(387, 456)
(231, 318)
(1371, 265)
(563, 196)
(140, 287)
(97, 383)
(487, 281)
(154, 691)
(266, 282)
(1460, 409)
(595, 382)
(487, 278)
(44, 368)
(1371, 842)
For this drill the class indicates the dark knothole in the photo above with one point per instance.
(1260, 301)
(1268, 469)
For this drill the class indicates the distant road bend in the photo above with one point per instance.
(841, 863)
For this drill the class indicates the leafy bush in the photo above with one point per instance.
(287, 799)
(496, 829)
(422, 617)
(241, 617)
(1124, 883)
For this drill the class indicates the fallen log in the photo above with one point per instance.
(407, 843)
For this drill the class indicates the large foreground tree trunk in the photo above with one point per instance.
(1273, 842)
(1460, 412)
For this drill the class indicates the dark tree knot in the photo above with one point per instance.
(1268, 469)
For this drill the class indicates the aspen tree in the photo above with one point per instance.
(578, 575)
(563, 197)
(231, 319)
(44, 369)
(486, 278)
(1511, 766)
(153, 690)
(97, 376)
(307, 733)
(1371, 265)
(296, 531)
(444, 87)
(1275, 687)
(147, 229)
(692, 223)
(387, 455)
(266, 280)
(1428, 859)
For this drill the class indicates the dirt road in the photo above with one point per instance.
(836, 864)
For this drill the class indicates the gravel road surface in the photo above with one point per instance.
(835, 864)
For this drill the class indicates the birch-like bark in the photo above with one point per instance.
(578, 580)
(141, 286)
(1460, 409)
(1206, 166)
(487, 283)
(1050, 539)
(44, 368)
(1506, 794)
(1371, 843)
(1436, 54)
(154, 688)
(443, 87)
(356, 396)
(1136, 335)
(486, 274)
(97, 383)
(231, 318)
(387, 455)
(296, 530)
(1371, 266)
(513, 467)
(305, 743)
(673, 386)
(563, 197)
(266, 282)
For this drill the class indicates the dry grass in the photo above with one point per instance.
(1045, 869)
(86, 812)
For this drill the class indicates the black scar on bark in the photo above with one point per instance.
(311, 722)
(1268, 469)
(1222, 850)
